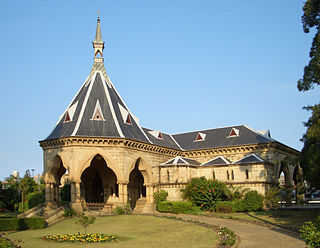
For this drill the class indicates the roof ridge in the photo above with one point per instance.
(203, 130)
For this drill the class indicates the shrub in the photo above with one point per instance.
(35, 199)
(69, 212)
(310, 233)
(121, 210)
(174, 207)
(65, 193)
(23, 206)
(225, 207)
(228, 237)
(160, 196)
(21, 223)
(204, 193)
(272, 198)
(252, 201)
(4, 243)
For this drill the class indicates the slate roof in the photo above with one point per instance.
(252, 158)
(220, 160)
(181, 161)
(98, 110)
(219, 137)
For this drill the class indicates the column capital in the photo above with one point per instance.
(123, 182)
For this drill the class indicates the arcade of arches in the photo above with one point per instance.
(98, 183)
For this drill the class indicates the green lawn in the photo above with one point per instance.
(289, 218)
(139, 231)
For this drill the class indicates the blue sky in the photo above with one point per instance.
(180, 65)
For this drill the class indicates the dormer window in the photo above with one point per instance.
(156, 134)
(200, 137)
(234, 133)
(97, 113)
(70, 113)
(67, 118)
(128, 120)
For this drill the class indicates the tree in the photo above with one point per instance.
(27, 185)
(85, 221)
(310, 156)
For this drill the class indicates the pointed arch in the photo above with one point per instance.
(143, 166)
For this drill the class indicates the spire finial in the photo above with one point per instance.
(98, 44)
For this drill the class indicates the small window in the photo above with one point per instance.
(247, 174)
(160, 135)
(213, 175)
(200, 137)
(168, 176)
(234, 133)
(228, 177)
(232, 175)
(97, 116)
(67, 118)
(128, 120)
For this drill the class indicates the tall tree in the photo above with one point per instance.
(310, 156)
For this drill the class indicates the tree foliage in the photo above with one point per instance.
(311, 19)
(85, 221)
(205, 193)
(310, 157)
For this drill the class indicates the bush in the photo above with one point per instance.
(160, 196)
(174, 207)
(122, 210)
(205, 193)
(272, 198)
(310, 233)
(252, 201)
(34, 199)
(69, 212)
(21, 223)
(225, 207)
(65, 193)
(228, 237)
(23, 206)
(4, 243)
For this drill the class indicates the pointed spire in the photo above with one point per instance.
(98, 44)
(98, 38)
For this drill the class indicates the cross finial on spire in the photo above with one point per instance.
(98, 44)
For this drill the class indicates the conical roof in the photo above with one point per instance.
(97, 110)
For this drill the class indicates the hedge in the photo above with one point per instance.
(8, 224)
(174, 207)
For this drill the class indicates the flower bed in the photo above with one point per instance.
(83, 238)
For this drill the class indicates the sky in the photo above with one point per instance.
(180, 65)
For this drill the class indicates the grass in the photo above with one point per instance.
(138, 231)
(293, 219)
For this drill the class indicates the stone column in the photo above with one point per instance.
(48, 194)
(52, 193)
(75, 196)
(123, 192)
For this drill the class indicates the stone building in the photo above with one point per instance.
(99, 147)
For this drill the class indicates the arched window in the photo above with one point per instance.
(247, 174)
(213, 175)
(228, 177)
(168, 176)
(232, 175)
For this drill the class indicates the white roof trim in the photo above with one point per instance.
(97, 107)
(84, 105)
(112, 108)
(253, 154)
(176, 143)
(222, 157)
(251, 129)
(132, 115)
(72, 109)
(124, 113)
